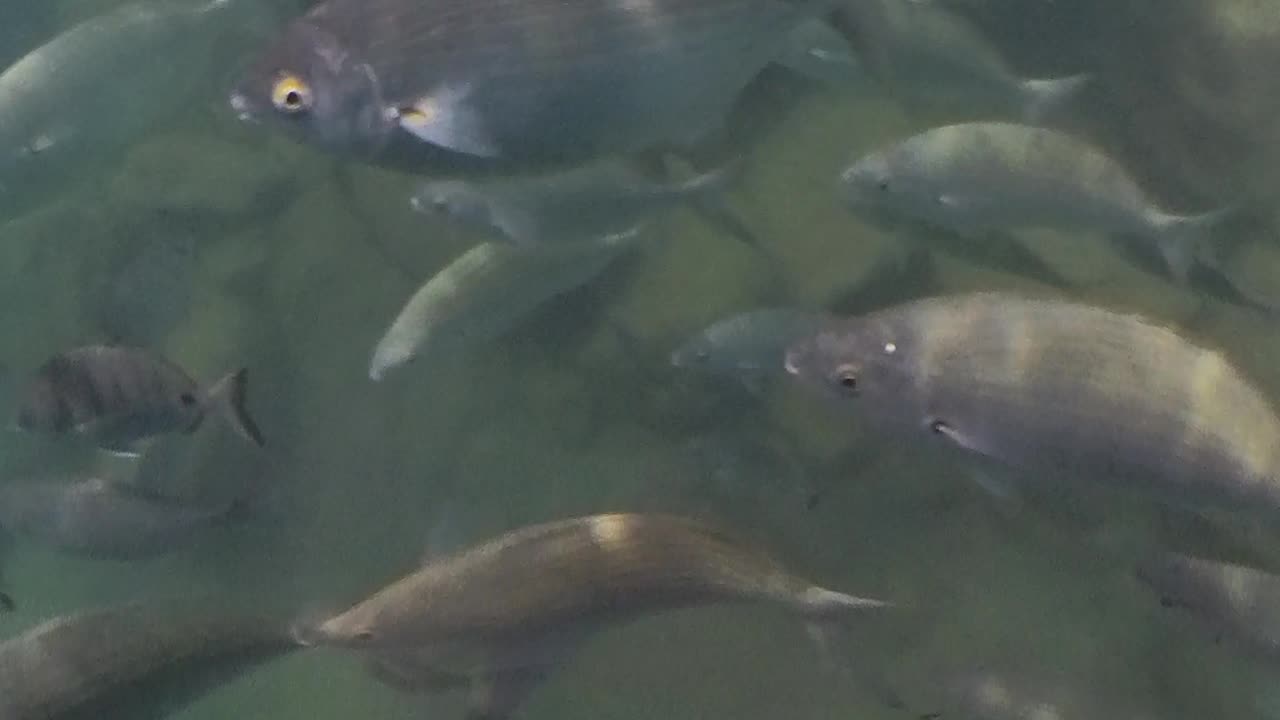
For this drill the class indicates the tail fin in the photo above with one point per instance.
(1179, 237)
(1041, 98)
(706, 193)
(228, 394)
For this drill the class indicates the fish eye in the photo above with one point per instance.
(290, 94)
(187, 399)
(364, 637)
(847, 378)
(883, 184)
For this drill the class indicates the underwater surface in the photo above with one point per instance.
(218, 243)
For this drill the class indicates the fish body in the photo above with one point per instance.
(556, 578)
(1055, 386)
(96, 89)
(486, 291)
(136, 661)
(925, 53)
(994, 175)
(576, 205)
(100, 518)
(445, 85)
(118, 396)
(755, 341)
(1235, 601)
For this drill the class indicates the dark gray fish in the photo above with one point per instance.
(133, 661)
(1239, 603)
(509, 611)
(1054, 386)
(448, 86)
(576, 205)
(150, 293)
(118, 396)
(101, 518)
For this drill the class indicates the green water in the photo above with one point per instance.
(303, 261)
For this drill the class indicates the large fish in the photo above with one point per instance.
(1049, 385)
(509, 610)
(118, 396)
(76, 101)
(466, 85)
(990, 175)
(101, 518)
(137, 661)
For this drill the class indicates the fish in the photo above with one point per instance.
(138, 660)
(752, 342)
(150, 292)
(494, 86)
(82, 98)
(576, 205)
(925, 53)
(994, 175)
(1056, 388)
(102, 518)
(485, 292)
(1235, 602)
(508, 611)
(118, 396)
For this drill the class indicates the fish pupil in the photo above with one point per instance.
(187, 399)
(293, 99)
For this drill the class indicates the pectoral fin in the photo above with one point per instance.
(444, 118)
(497, 696)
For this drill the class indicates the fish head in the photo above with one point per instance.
(457, 199)
(889, 180)
(860, 361)
(309, 85)
(698, 352)
(352, 629)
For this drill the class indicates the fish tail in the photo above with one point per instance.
(706, 193)
(1042, 98)
(1180, 236)
(229, 395)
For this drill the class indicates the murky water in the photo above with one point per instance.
(222, 244)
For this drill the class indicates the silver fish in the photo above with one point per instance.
(101, 518)
(139, 660)
(1050, 386)
(751, 342)
(486, 291)
(459, 85)
(97, 88)
(927, 54)
(990, 175)
(1239, 603)
(576, 205)
(508, 611)
(118, 396)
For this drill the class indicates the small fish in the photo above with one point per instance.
(985, 176)
(1053, 387)
(753, 342)
(139, 660)
(451, 87)
(96, 89)
(150, 293)
(485, 292)
(927, 54)
(507, 612)
(1238, 603)
(572, 206)
(101, 518)
(118, 396)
